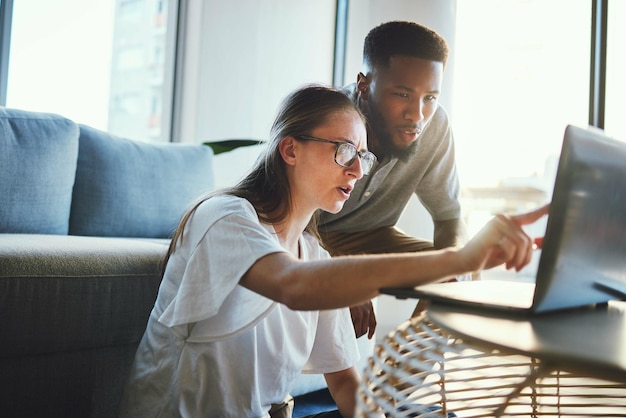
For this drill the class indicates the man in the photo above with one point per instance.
(409, 132)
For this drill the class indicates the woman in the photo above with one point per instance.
(249, 299)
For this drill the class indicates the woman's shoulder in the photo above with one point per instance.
(226, 204)
(219, 216)
(222, 207)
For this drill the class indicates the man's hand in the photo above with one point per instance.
(363, 319)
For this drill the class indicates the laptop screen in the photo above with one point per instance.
(583, 260)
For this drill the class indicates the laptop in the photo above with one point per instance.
(583, 258)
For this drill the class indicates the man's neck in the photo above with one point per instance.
(373, 143)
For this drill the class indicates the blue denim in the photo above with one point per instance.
(336, 414)
(328, 414)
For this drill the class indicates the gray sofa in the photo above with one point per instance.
(84, 222)
(85, 219)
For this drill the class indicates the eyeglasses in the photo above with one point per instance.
(346, 153)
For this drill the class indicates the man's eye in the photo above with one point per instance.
(431, 98)
(403, 95)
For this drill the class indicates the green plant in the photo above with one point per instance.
(227, 145)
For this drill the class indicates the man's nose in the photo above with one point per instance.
(414, 110)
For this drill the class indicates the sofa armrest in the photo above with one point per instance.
(37, 169)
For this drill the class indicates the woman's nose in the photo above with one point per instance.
(356, 168)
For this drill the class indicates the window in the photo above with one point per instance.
(101, 63)
(128, 59)
(615, 123)
(130, 10)
(522, 73)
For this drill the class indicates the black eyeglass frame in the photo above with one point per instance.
(366, 156)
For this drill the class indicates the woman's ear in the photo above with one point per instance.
(362, 86)
(287, 148)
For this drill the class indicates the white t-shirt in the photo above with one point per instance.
(212, 348)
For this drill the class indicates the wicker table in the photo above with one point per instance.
(476, 364)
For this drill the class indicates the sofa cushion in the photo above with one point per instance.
(70, 293)
(38, 154)
(129, 188)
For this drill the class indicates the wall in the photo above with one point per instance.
(243, 57)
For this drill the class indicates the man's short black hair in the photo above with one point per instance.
(402, 38)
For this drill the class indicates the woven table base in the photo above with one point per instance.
(421, 371)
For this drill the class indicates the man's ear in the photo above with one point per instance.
(287, 149)
(363, 86)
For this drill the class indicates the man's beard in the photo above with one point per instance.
(385, 143)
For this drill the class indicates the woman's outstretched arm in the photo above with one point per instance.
(348, 280)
